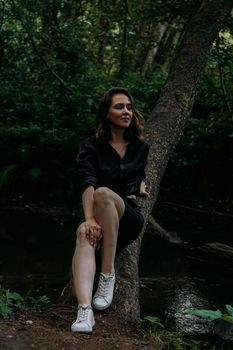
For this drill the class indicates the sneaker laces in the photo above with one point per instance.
(83, 313)
(104, 285)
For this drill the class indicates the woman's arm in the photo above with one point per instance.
(87, 168)
(93, 229)
(87, 179)
(88, 203)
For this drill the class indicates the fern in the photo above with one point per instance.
(9, 302)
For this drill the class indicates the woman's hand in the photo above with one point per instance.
(142, 190)
(93, 232)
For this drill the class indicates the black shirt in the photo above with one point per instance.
(99, 165)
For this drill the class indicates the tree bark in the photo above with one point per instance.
(163, 131)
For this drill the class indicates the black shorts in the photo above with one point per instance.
(131, 224)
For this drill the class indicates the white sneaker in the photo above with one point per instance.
(85, 320)
(104, 294)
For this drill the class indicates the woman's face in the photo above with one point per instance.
(120, 112)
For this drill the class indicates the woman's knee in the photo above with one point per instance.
(81, 236)
(102, 196)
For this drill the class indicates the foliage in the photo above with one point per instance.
(169, 340)
(203, 158)
(214, 314)
(154, 323)
(56, 60)
(38, 303)
(10, 302)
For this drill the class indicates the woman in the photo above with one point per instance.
(111, 169)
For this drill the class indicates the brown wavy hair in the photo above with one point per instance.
(103, 131)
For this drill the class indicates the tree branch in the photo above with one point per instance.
(51, 71)
(54, 74)
(170, 204)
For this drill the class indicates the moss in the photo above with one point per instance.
(182, 98)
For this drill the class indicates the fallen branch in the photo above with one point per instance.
(171, 204)
(158, 230)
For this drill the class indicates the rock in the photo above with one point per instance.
(224, 329)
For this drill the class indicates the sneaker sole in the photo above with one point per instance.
(79, 331)
(101, 307)
(83, 331)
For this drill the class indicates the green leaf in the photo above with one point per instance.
(227, 318)
(153, 320)
(5, 310)
(229, 309)
(210, 314)
(14, 296)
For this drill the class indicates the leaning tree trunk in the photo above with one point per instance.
(163, 131)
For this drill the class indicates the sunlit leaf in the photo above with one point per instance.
(229, 309)
(210, 314)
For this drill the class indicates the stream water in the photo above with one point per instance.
(36, 251)
(173, 281)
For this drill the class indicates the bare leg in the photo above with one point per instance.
(109, 208)
(83, 267)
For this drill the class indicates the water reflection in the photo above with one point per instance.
(184, 298)
(172, 282)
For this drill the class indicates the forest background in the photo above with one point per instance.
(57, 58)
